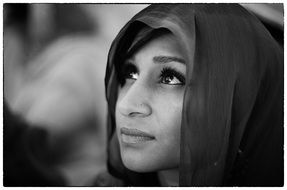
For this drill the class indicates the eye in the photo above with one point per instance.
(129, 72)
(171, 77)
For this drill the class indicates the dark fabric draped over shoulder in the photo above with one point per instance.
(26, 161)
(232, 121)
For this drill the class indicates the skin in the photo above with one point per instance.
(152, 104)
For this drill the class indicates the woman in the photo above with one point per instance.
(195, 94)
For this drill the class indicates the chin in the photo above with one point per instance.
(143, 163)
(138, 163)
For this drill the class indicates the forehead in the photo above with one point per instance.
(162, 45)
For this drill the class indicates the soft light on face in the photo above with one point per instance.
(149, 106)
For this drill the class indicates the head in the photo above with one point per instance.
(149, 105)
(232, 93)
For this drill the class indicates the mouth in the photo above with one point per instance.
(133, 136)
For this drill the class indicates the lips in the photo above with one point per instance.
(135, 135)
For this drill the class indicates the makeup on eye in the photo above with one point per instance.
(168, 75)
(171, 76)
(128, 71)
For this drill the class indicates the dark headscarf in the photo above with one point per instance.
(232, 117)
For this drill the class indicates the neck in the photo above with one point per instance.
(169, 177)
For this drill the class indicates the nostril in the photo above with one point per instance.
(134, 114)
(134, 102)
(135, 110)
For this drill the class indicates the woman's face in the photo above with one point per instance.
(149, 106)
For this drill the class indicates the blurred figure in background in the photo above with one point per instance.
(65, 96)
(54, 70)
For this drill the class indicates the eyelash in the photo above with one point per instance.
(129, 68)
(168, 71)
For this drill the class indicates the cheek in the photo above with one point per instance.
(118, 118)
(169, 114)
(121, 93)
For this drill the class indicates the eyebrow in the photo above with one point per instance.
(167, 59)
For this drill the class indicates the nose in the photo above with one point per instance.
(135, 101)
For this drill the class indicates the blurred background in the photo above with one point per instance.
(54, 67)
